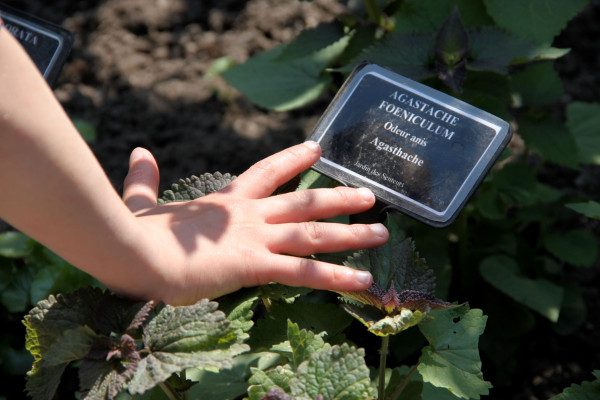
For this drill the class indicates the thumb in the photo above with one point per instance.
(140, 189)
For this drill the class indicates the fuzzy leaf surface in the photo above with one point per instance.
(196, 336)
(263, 381)
(452, 360)
(335, 372)
(304, 343)
(591, 209)
(541, 20)
(540, 295)
(583, 120)
(196, 186)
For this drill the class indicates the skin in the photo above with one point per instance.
(56, 192)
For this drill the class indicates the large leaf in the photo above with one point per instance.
(177, 338)
(540, 295)
(335, 372)
(283, 85)
(452, 360)
(196, 186)
(263, 381)
(551, 139)
(428, 15)
(538, 84)
(577, 247)
(227, 384)
(591, 209)
(540, 20)
(407, 54)
(311, 40)
(585, 391)
(583, 120)
(303, 343)
(317, 317)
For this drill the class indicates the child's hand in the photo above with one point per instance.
(242, 237)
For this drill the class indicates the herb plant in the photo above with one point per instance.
(515, 252)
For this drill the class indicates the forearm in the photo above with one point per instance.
(53, 187)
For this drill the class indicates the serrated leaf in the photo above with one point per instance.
(407, 54)
(452, 360)
(100, 380)
(591, 209)
(577, 247)
(538, 84)
(550, 139)
(283, 86)
(493, 49)
(303, 343)
(589, 390)
(583, 120)
(428, 15)
(196, 186)
(15, 245)
(263, 381)
(401, 278)
(321, 317)
(540, 20)
(540, 295)
(228, 384)
(177, 338)
(311, 40)
(335, 372)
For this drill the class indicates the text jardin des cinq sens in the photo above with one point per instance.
(428, 124)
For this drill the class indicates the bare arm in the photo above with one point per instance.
(55, 190)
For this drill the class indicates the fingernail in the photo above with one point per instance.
(366, 194)
(363, 277)
(379, 230)
(312, 145)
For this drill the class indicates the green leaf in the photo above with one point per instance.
(577, 247)
(452, 360)
(540, 20)
(493, 49)
(312, 179)
(15, 296)
(591, 209)
(489, 91)
(261, 382)
(303, 343)
(317, 317)
(407, 54)
(584, 391)
(538, 84)
(227, 384)
(540, 295)
(15, 245)
(550, 139)
(573, 311)
(284, 85)
(196, 186)
(311, 40)
(583, 120)
(360, 39)
(428, 15)
(196, 336)
(335, 372)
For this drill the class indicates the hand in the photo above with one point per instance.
(240, 237)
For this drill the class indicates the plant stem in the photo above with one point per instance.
(168, 391)
(400, 388)
(385, 341)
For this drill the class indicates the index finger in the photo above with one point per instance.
(264, 177)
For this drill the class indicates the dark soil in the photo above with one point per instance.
(137, 73)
